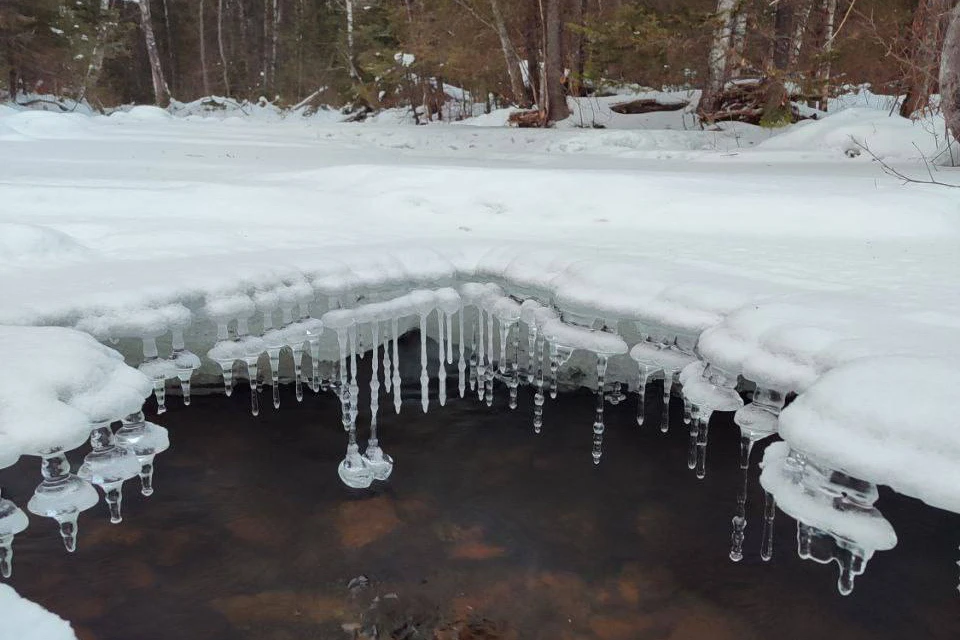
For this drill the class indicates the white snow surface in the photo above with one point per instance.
(792, 258)
(26, 620)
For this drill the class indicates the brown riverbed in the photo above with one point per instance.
(485, 531)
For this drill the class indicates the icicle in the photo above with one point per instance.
(146, 440)
(397, 400)
(252, 373)
(598, 426)
(442, 371)
(109, 466)
(694, 436)
(424, 376)
(227, 367)
(12, 521)
(514, 381)
(474, 360)
(344, 385)
(740, 518)
(554, 369)
(702, 444)
(687, 412)
(160, 391)
(62, 496)
(504, 332)
(387, 374)
(667, 387)
(531, 347)
(769, 513)
(379, 462)
(354, 386)
(461, 365)
(274, 354)
(313, 341)
(298, 371)
(184, 363)
(538, 399)
(481, 357)
(490, 364)
(642, 393)
(449, 316)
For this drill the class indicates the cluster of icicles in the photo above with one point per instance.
(802, 485)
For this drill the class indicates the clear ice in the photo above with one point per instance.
(62, 496)
(108, 466)
(146, 440)
(12, 521)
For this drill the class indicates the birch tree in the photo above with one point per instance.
(950, 74)
(509, 53)
(828, 13)
(719, 57)
(161, 93)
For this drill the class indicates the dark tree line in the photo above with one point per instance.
(521, 52)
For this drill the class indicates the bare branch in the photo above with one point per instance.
(891, 171)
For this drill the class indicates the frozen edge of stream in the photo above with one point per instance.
(839, 362)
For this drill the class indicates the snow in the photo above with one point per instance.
(56, 383)
(784, 260)
(905, 438)
(26, 620)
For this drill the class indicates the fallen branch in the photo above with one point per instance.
(891, 171)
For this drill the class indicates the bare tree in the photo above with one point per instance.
(204, 76)
(509, 53)
(950, 74)
(555, 108)
(719, 56)
(925, 45)
(222, 48)
(161, 92)
(828, 16)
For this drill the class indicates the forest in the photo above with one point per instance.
(376, 54)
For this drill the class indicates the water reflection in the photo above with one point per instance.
(485, 530)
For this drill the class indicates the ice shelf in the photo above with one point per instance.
(499, 319)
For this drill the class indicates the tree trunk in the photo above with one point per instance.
(950, 75)
(829, 15)
(509, 53)
(718, 59)
(99, 48)
(802, 17)
(776, 108)
(926, 36)
(275, 42)
(204, 76)
(220, 46)
(171, 58)
(577, 87)
(556, 108)
(161, 93)
(350, 52)
(532, 35)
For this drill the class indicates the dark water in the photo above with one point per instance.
(485, 531)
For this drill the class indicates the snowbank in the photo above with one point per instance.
(889, 137)
(905, 438)
(56, 383)
(25, 620)
(779, 270)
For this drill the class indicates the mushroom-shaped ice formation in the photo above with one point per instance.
(708, 389)
(662, 358)
(757, 421)
(108, 466)
(146, 440)
(12, 521)
(62, 495)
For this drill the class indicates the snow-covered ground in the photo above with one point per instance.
(795, 260)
